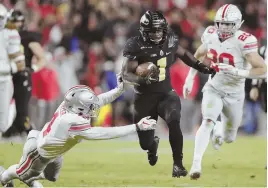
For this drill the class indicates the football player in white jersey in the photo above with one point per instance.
(232, 53)
(11, 61)
(71, 123)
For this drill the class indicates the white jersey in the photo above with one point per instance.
(67, 129)
(10, 43)
(231, 51)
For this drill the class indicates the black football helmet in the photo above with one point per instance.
(17, 16)
(153, 27)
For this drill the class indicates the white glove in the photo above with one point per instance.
(120, 83)
(146, 124)
(187, 87)
(227, 69)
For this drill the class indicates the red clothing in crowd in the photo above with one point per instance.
(178, 73)
(45, 84)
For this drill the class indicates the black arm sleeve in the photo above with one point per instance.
(187, 58)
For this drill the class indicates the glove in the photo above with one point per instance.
(187, 87)
(146, 124)
(120, 83)
(227, 69)
(201, 67)
(152, 77)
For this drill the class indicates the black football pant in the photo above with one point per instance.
(263, 96)
(22, 93)
(168, 107)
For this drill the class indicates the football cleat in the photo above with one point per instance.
(178, 171)
(195, 171)
(152, 155)
(9, 184)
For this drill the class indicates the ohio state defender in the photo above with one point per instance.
(232, 53)
(43, 151)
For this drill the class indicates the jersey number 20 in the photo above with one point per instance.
(162, 63)
(214, 57)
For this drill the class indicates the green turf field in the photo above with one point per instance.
(122, 163)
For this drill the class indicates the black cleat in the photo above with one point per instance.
(178, 171)
(152, 155)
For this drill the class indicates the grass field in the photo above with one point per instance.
(122, 163)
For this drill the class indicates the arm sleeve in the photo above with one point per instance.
(250, 44)
(87, 132)
(110, 96)
(14, 43)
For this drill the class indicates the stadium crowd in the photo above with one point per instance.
(83, 40)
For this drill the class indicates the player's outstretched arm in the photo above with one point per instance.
(189, 81)
(191, 61)
(258, 67)
(104, 133)
(113, 94)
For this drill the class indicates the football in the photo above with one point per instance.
(146, 68)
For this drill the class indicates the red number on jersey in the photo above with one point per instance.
(215, 58)
(227, 56)
(244, 36)
(50, 124)
(211, 30)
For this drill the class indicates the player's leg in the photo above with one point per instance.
(6, 92)
(29, 153)
(211, 108)
(31, 163)
(170, 110)
(232, 114)
(217, 135)
(22, 94)
(52, 171)
(146, 106)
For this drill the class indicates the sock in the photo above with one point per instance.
(9, 174)
(218, 129)
(202, 139)
(176, 141)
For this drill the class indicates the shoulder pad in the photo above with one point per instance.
(209, 32)
(247, 42)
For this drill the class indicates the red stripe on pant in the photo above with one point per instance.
(28, 162)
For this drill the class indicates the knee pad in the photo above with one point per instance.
(33, 134)
(51, 178)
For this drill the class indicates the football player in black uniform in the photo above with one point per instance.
(154, 94)
(22, 80)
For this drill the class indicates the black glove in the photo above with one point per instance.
(201, 67)
(152, 77)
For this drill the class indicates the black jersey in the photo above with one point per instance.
(26, 38)
(163, 57)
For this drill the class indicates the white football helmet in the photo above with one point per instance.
(81, 100)
(228, 20)
(3, 16)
